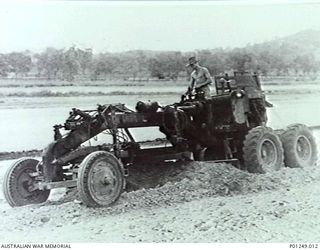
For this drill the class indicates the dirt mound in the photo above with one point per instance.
(177, 183)
(165, 185)
(196, 180)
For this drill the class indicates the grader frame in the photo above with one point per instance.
(230, 126)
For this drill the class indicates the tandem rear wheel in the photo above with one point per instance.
(262, 150)
(299, 145)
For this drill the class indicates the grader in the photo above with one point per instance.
(230, 126)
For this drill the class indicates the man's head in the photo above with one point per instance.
(193, 62)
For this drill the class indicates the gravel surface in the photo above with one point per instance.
(185, 202)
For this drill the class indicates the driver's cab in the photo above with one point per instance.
(241, 80)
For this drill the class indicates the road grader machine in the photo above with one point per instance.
(230, 126)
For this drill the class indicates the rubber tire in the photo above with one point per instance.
(83, 183)
(251, 149)
(10, 185)
(289, 140)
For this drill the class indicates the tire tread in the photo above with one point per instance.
(288, 138)
(250, 144)
(83, 176)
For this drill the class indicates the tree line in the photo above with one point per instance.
(277, 58)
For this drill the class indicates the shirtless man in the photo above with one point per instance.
(200, 78)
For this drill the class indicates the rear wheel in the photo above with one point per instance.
(299, 145)
(101, 180)
(18, 183)
(262, 150)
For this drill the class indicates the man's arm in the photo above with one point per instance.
(192, 82)
(190, 89)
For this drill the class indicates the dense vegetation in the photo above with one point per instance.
(298, 54)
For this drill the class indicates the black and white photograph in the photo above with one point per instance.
(159, 122)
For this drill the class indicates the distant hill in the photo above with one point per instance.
(307, 39)
(295, 54)
(301, 43)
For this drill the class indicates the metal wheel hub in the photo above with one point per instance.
(25, 188)
(303, 148)
(268, 152)
(103, 180)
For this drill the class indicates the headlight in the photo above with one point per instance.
(239, 94)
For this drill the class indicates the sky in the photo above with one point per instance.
(162, 25)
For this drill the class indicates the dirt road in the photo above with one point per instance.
(202, 202)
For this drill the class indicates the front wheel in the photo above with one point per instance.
(262, 150)
(100, 180)
(18, 183)
(299, 145)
